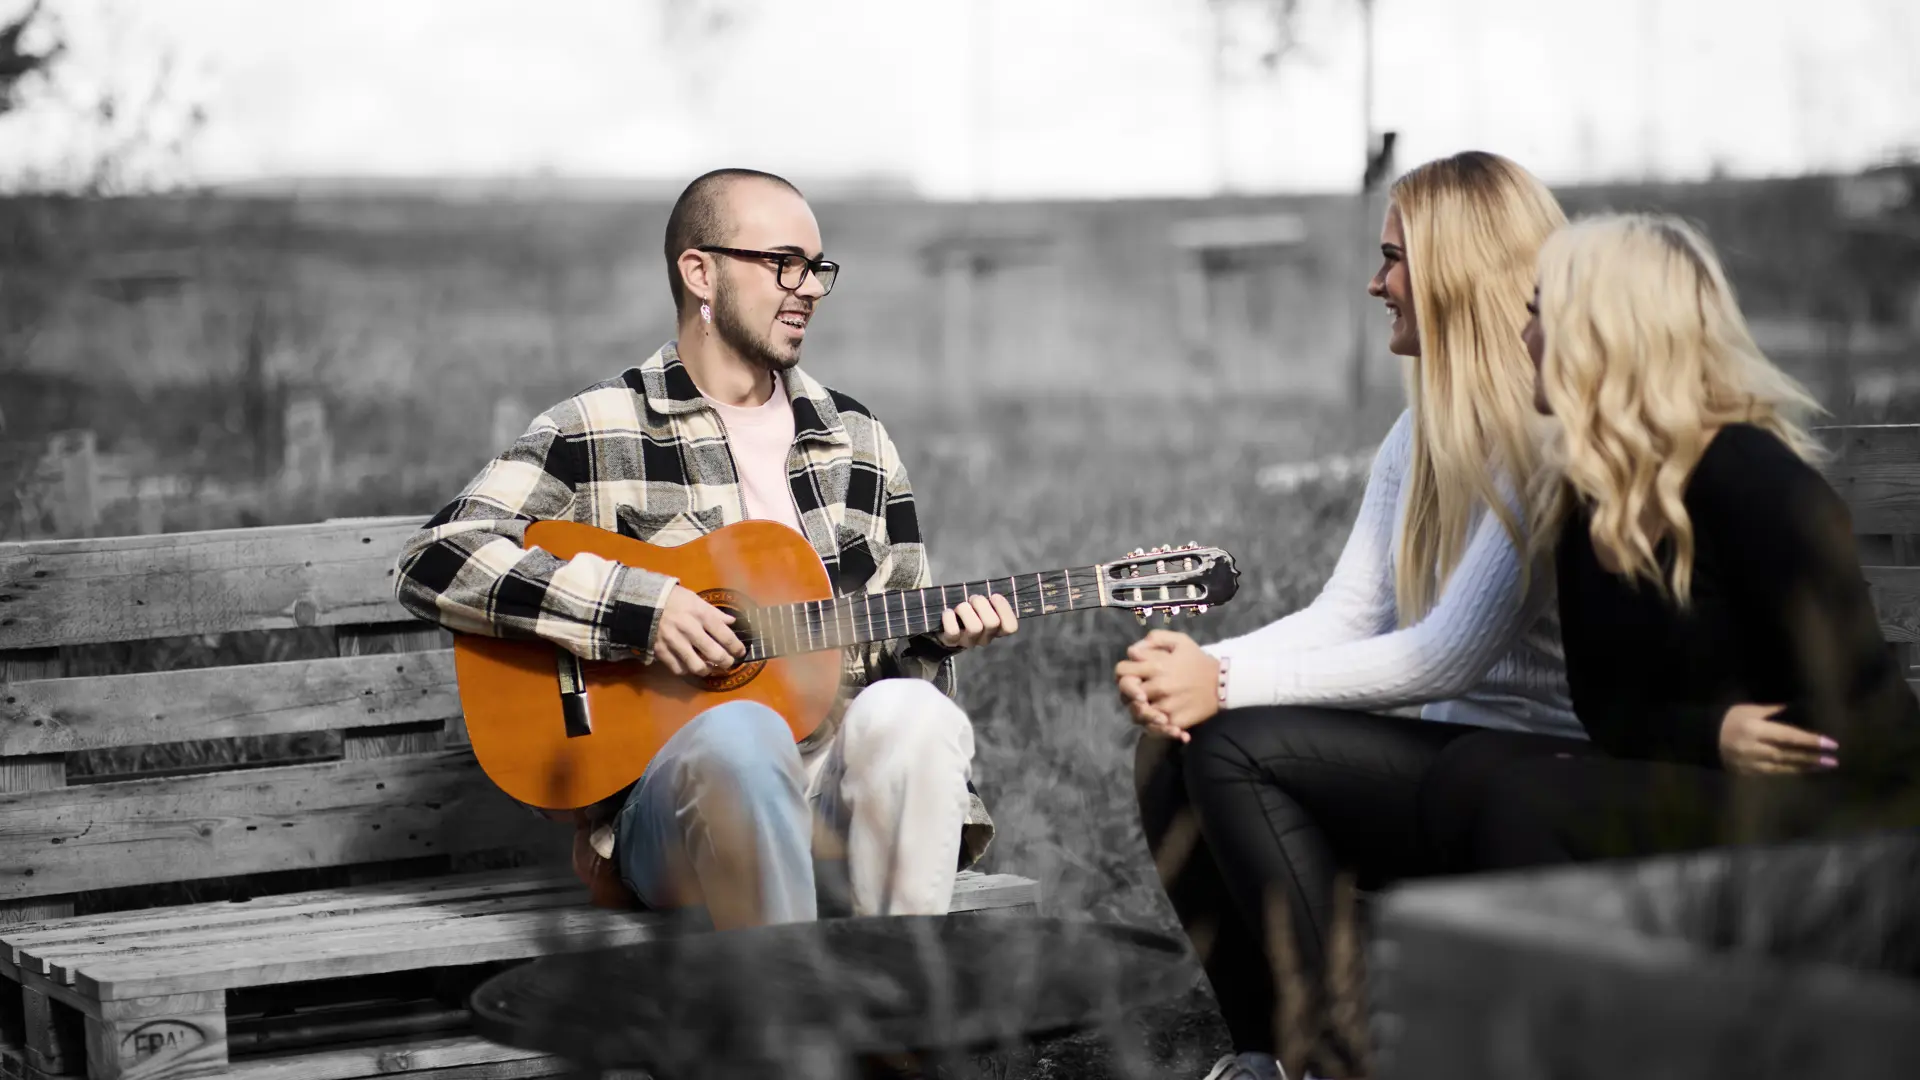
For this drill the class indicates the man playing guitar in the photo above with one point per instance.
(719, 426)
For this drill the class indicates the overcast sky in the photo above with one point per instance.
(1010, 98)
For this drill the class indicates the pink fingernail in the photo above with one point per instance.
(1828, 744)
(1830, 763)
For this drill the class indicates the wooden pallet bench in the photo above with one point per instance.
(241, 830)
(1876, 468)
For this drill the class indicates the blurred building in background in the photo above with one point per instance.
(274, 349)
(187, 331)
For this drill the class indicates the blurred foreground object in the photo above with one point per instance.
(810, 1001)
(1800, 960)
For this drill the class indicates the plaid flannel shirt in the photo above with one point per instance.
(644, 455)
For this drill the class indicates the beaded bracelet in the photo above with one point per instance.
(1224, 662)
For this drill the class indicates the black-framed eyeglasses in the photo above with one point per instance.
(790, 270)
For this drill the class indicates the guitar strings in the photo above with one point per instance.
(839, 623)
(836, 622)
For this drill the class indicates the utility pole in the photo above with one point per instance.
(1217, 130)
(981, 107)
(1649, 91)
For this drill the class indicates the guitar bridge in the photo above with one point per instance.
(573, 695)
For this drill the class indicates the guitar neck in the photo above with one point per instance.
(844, 621)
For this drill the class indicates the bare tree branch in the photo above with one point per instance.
(18, 65)
(698, 21)
(1268, 29)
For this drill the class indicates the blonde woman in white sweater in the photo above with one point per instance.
(1270, 762)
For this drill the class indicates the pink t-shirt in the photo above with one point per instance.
(760, 437)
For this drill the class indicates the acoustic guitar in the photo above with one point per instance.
(560, 733)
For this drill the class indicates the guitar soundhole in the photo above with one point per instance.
(735, 604)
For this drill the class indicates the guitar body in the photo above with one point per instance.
(511, 689)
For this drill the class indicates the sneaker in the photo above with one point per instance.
(1248, 1065)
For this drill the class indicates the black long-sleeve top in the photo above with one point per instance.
(1780, 615)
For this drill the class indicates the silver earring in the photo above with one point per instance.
(706, 313)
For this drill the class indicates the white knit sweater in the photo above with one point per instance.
(1487, 654)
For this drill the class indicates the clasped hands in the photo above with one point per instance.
(1168, 684)
(695, 637)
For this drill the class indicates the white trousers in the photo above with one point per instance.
(889, 795)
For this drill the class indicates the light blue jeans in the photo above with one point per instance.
(720, 819)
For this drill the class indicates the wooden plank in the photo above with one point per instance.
(318, 903)
(30, 773)
(517, 936)
(68, 592)
(54, 716)
(460, 1057)
(247, 821)
(975, 891)
(1876, 468)
(379, 641)
(399, 642)
(54, 1034)
(62, 962)
(511, 936)
(169, 1038)
(1896, 596)
(38, 946)
(1886, 444)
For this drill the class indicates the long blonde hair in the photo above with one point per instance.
(1473, 224)
(1647, 356)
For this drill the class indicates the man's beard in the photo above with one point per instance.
(755, 348)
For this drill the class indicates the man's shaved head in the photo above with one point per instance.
(700, 217)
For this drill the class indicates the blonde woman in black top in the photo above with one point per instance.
(1722, 650)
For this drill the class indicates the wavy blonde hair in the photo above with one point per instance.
(1473, 225)
(1647, 357)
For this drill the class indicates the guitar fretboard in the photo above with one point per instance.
(851, 620)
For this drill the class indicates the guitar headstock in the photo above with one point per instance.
(1168, 580)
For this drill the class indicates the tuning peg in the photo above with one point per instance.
(1135, 553)
(1200, 609)
(1140, 614)
(1193, 544)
